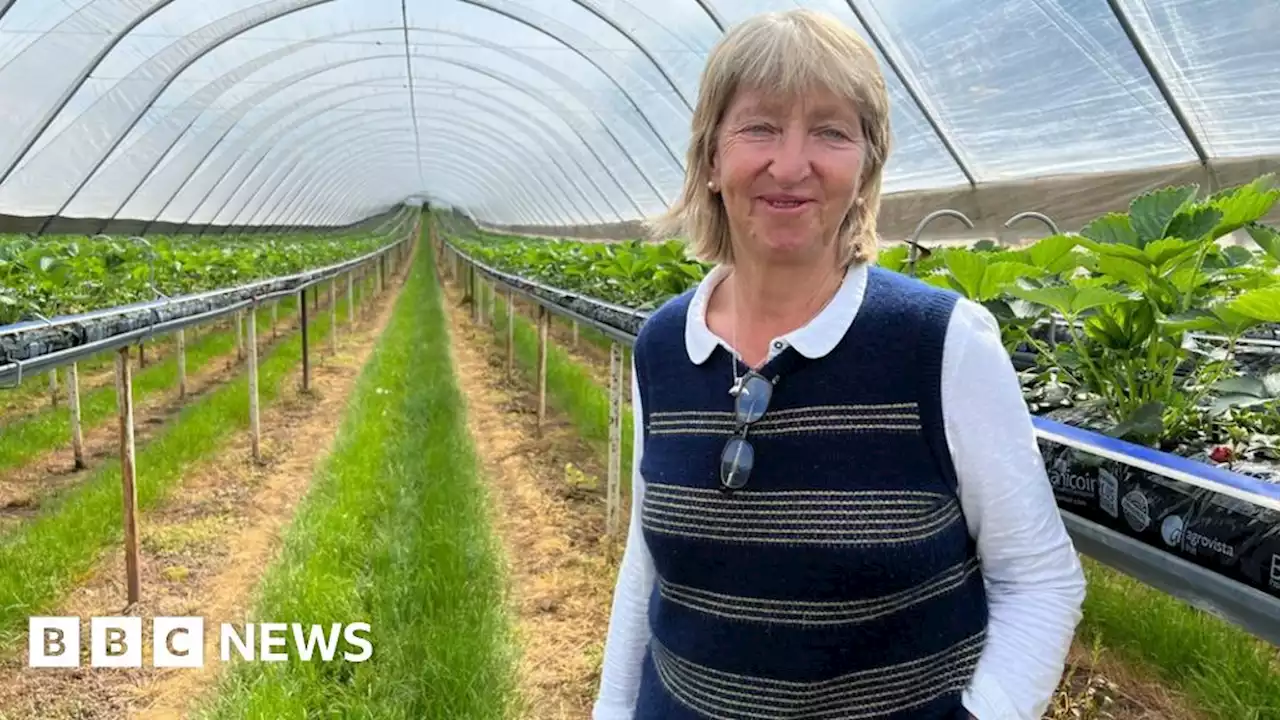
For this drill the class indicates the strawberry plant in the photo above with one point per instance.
(63, 275)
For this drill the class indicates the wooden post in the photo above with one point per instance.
(182, 364)
(77, 430)
(511, 331)
(142, 354)
(351, 300)
(53, 387)
(254, 428)
(614, 491)
(306, 357)
(575, 334)
(128, 472)
(475, 296)
(239, 335)
(544, 325)
(275, 316)
(333, 317)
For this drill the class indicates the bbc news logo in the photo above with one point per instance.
(178, 642)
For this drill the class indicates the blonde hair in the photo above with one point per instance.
(788, 53)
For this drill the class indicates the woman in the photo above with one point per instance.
(839, 507)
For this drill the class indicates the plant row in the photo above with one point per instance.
(71, 274)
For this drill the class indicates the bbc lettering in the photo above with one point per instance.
(178, 642)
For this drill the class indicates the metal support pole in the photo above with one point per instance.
(544, 325)
(182, 364)
(128, 472)
(77, 429)
(614, 492)
(306, 357)
(254, 427)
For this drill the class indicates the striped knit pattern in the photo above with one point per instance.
(841, 582)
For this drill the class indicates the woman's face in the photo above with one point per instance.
(788, 172)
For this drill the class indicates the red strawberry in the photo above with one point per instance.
(1221, 454)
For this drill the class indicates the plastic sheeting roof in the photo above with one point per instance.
(576, 112)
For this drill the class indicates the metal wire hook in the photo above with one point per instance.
(914, 242)
(1032, 214)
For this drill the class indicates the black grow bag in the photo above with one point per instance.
(1223, 521)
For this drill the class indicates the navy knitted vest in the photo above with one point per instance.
(841, 582)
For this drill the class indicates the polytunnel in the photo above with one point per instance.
(329, 318)
(133, 115)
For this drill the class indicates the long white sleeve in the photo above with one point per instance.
(629, 623)
(1035, 585)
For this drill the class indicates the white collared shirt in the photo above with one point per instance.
(1035, 584)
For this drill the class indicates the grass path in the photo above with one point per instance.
(395, 533)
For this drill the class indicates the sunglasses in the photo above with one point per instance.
(752, 395)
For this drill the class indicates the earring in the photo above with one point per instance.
(711, 185)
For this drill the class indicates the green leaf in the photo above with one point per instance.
(1267, 237)
(1229, 401)
(1195, 224)
(1261, 304)
(1245, 385)
(1125, 270)
(1112, 228)
(1147, 420)
(1232, 322)
(1151, 213)
(1059, 297)
(1237, 256)
(1127, 252)
(944, 281)
(1245, 204)
(1092, 297)
(1169, 252)
(1050, 250)
(1001, 275)
(1192, 321)
(968, 269)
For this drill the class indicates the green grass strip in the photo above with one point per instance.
(50, 428)
(1226, 672)
(571, 389)
(41, 559)
(394, 532)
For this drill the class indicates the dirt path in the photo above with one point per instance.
(552, 535)
(203, 550)
(549, 511)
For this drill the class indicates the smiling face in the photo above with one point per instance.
(788, 173)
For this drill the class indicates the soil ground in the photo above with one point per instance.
(549, 511)
(203, 549)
